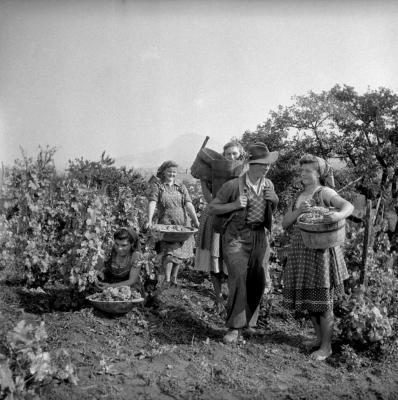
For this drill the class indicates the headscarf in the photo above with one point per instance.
(163, 167)
(325, 170)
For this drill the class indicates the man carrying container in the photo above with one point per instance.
(246, 204)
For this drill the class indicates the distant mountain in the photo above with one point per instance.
(182, 150)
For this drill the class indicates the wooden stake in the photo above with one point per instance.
(377, 211)
(205, 142)
(366, 242)
(349, 184)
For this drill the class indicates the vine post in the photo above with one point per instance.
(366, 242)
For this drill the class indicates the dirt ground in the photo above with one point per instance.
(175, 351)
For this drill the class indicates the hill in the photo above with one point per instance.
(182, 150)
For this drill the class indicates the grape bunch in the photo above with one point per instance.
(170, 228)
(122, 293)
(315, 216)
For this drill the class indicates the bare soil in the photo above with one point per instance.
(174, 350)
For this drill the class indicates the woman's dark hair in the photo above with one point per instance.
(163, 167)
(129, 234)
(310, 159)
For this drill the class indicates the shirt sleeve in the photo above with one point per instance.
(153, 194)
(225, 192)
(327, 194)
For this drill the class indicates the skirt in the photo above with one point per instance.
(312, 277)
(177, 251)
(208, 247)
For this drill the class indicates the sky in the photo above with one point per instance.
(131, 76)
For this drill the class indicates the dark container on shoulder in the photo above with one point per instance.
(202, 166)
(223, 171)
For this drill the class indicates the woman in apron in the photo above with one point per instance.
(173, 203)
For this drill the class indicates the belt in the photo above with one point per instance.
(255, 226)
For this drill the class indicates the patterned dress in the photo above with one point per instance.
(312, 276)
(171, 201)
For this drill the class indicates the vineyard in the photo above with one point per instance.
(53, 230)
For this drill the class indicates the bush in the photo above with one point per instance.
(56, 228)
(369, 319)
(25, 365)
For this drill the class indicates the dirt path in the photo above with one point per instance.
(175, 352)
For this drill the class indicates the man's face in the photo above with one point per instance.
(259, 169)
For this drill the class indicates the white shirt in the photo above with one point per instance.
(256, 188)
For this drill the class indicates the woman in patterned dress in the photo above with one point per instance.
(173, 202)
(312, 276)
(208, 255)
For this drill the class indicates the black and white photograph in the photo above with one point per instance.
(198, 200)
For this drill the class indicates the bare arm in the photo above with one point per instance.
(344, 207)
(192, 213)
(134, 274)
(133, 278)
(206, 191)
(151, 211)
(291, 216)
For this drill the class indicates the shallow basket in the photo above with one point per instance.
(115, 307)
(161, 233)
(322, 236)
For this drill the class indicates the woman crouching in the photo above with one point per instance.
(123, 266)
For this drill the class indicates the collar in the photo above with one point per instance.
(255, 188)
(176, 183)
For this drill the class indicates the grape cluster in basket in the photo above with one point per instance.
(315, 216)
(170, 228)
(122, 293)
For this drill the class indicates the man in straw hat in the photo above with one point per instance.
(246, 204)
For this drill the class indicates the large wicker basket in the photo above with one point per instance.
(162, 232)
(321, 235)
(115, 307)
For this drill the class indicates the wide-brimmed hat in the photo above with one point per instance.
(259, 154)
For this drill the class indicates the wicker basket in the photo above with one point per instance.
(160, 232)
(114, 307)
(322, 236)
